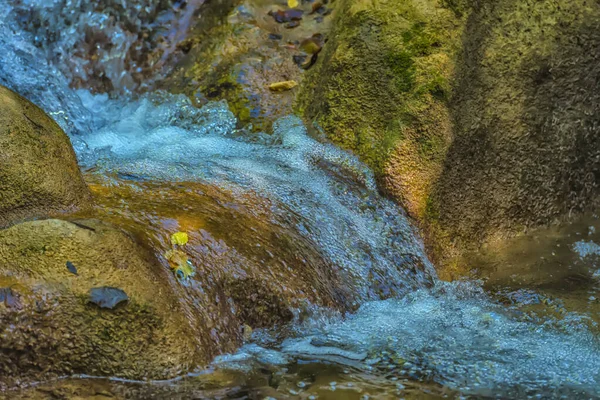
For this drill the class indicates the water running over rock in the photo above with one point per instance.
(410, 326)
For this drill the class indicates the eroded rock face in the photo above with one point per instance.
(39, 175)
(51, 325)
(527, 146)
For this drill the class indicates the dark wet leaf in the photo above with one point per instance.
(275, 36)
(107, 297)
(7, 296)
(292, 24)
(282, 16)
(83, 226)
(299, 59)
(316, 7)
(71, 267)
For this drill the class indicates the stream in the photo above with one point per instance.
(404, 332)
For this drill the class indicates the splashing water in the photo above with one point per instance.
(410, 326)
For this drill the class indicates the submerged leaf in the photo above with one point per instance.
(107, 296)
(179, 238)
(180, 264)
(184, 271)
(285, 85)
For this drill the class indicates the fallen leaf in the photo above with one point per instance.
(316, 5)
(281, 86)
(292, 3)
(313, 44)
(179, 238)
(180, 264)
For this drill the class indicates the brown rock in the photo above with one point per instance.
(39, 175)
(51, 328)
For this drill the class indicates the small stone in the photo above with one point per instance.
(292, 24)
(107, 297)
(71, 267)
(282, 16)
(275, 36)
(8, 297)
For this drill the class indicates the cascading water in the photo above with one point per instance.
(409, 322)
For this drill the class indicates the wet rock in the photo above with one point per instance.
(470, 178)
(107, 297)
(39, 175)
(526, 142)
(57, 330)
(292, 24)
(282, 16)
(71, 268)
(8, 297)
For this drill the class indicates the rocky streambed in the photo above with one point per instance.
(178, 220)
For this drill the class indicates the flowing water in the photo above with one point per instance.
(409, 335)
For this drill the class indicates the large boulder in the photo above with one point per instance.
(39, 175)
(63, 310)
(526, 147)
(479, 117)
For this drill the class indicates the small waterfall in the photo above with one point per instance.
(408, 321)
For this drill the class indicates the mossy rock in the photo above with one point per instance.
(39, 175)
(476, 116)
(526, 147)
(49, 326)
(380, 89)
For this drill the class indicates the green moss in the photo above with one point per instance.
(402, 66)
(378, 74)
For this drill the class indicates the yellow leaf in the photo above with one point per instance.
(179, 238)
(292, 3)
(280, 86)
(176, 257)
